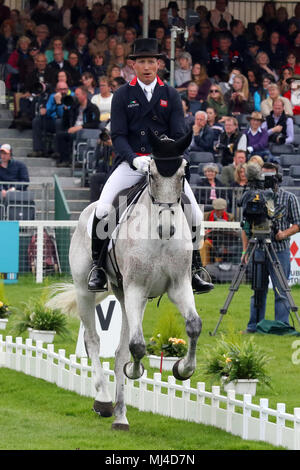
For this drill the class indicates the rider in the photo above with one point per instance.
(145, 102)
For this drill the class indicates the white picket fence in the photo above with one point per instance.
(157, 396)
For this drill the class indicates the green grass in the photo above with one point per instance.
(147, 433)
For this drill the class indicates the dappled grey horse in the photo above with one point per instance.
(150, 254)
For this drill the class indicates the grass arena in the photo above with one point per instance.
(39, 415)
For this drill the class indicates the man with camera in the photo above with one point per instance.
(48, 119)
(79, 114)
(286, 223)
(279, 125)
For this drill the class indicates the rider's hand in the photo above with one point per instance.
(142, 163)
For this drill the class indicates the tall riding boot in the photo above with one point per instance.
(199, 285)
(97, 279)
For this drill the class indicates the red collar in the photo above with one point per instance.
(134, 81)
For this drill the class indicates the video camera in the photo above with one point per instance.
(259, 202)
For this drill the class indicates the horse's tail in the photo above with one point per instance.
(63, 297)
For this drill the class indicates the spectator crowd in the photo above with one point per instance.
(63, 64)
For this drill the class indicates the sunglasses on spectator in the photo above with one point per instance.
(214, 91)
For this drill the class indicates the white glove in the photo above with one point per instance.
(141, 163)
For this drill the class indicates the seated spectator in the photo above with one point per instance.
(216, 100)
(250, 54)
(254, 80)
(116, 83)
(212, 183)
(274, 93)
(90, 84)
(56, 44)
(263, 93)
(257, 137)
(279, 126)
(230, 140)
(118, 56)
(184, 73)
(97, 67)
(75, 69)
(263, 63)
(276, 52)
(15, 61)
(128, 71)
(223, 59)
(100, 42)
(240, 178)
(103, 99)
(81, 115)
(219, 212)
(189, 119)
(239, 100)
(114, 71)
(291, 61)
(42, 36)
(256, 159)
(212, 122)
(284, 85)
(199, 76)
(203, 135)
(219, 16)
(11, 170)
(293, 94)
(59, 63)
(81, 47)
(48, 119)
(8, 40)
(227, 173)
(191, 95)
(239, 40)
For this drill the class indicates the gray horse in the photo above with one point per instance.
(152, 248)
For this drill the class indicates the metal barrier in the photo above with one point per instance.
(28, 201)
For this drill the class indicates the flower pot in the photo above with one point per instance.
(3, 323)
(241, 386)
(42, 335)
(167, 362)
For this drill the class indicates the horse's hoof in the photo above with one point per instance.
(104, 409)
(129, 374)
(176, 372)
(120, 427)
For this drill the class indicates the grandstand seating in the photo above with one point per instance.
(201, 157)
(295, 174)
(281, 149)
(287, 160)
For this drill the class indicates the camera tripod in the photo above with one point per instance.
(259, 275)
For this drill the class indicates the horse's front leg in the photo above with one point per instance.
(135, 303)
(182, 296)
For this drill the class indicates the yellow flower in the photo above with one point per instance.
(1, 304)
(228, 359)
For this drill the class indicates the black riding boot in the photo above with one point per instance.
(97, 279)
(199, 285)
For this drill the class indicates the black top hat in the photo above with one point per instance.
(147, 47)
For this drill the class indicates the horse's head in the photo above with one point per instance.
(167, 168)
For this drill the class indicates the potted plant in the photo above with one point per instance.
(4, 308)
(238, 364)
(166, 345)
(4, 314)
(42, 322)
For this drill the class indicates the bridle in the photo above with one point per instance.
(164, 205)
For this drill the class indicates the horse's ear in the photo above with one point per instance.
(183, 143)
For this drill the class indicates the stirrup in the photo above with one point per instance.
(97, 280)
(201, 285)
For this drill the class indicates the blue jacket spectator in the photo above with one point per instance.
(11, 170)
(203, 135)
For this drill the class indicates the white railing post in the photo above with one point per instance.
(83, 375)
(230, 410)
(156, 390)
(19, 351)
(297, 429)
(143, 389)
(171, 394)
(186, 397)
(9, 350)
(263, 418)
(200, 401)
(72, 372)
(61, 367)
(215, 390)
(38, 358)
(246, 415)
(28, 356)
(50, 362)
(280, 422)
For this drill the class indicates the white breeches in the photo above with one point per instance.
(124, 177)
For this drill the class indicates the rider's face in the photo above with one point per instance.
(146, 69)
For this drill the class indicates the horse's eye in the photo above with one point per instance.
(151, 176)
